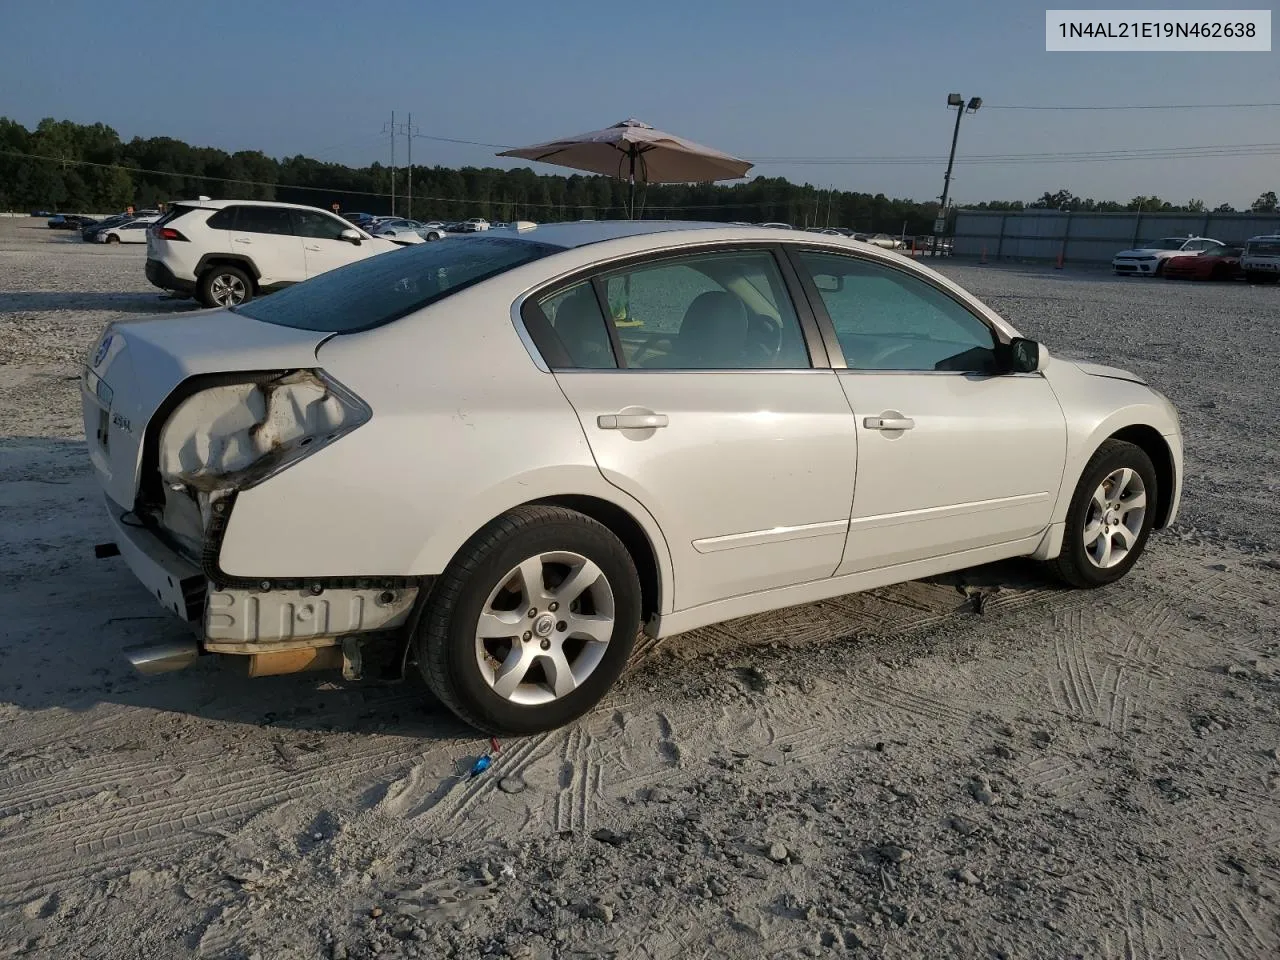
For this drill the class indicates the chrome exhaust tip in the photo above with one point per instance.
(163, 657)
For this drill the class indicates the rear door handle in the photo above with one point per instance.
(238, 240)
(631, 421)
(888, 423)
(316, 249)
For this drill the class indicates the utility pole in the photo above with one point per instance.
(409, 141)
(393, 163)
(957, 101)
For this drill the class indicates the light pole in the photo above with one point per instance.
(957, 101)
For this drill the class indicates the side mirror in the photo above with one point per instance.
(1026, 356)
(829, 283)
(351, 236)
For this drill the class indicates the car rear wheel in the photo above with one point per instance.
(1110, 517)
(225, 286)
(112, 238)
(531, 623)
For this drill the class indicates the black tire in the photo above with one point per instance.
(1074, 565)
(112, 238)
(1160, 268)
(227, 274)
(445, 641)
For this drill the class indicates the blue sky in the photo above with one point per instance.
(812, 78)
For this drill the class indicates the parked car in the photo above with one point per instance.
(133, 230)
(474, 225)
(91, 231)
(1260, 261)
(265, 479)
(885, 241)
(778, 226)
(1217, 263)
(1148, 260)
(398, 229)
(361, 220)
(70, 221)
(432, 231)
(226, 252)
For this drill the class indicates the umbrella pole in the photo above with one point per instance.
(631, 193)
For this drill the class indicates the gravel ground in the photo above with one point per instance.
(981, 765)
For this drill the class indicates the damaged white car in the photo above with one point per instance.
(499, 458)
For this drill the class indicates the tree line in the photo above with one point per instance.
(69, 167)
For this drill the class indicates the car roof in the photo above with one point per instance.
(1264, 236)
(220, 204)
(583, 232)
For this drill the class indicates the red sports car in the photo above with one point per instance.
(1220, 263)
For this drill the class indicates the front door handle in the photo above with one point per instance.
(238, 240)
(631, 421)
(313, 249)
(888, 423)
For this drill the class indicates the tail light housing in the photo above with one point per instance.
(236, 435)
(166, 233)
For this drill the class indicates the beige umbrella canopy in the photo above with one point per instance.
(633, 151)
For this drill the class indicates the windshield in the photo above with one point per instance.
(1168, 243)
(387, 286)
(1264, 248)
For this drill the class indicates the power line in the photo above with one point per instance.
(1133, 106)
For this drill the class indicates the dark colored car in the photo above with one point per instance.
(70, 221)
(1218, 263)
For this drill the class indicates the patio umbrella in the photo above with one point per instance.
(636, 151)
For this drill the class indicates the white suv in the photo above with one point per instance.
(1261, 259)
(225, 252)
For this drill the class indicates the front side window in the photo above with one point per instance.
(714, 311)
(383, 288)
(886, 319)
(273, 220)
(321, 226)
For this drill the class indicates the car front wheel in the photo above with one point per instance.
(531, 623)
(1110, 517)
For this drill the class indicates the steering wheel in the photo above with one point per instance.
(892, 350)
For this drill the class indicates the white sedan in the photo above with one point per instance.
(130, 231)
(501, 456)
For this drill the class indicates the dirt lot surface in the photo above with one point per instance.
(980, 766)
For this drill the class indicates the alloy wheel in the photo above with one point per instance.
(1115, 516)
(544, 628)
(227, 290)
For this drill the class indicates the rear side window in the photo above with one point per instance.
(388, 286)
(274, 220)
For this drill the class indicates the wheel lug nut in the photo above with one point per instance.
(528, 636)
(546, 644)
(562, 626)
(554, 607)
(533, 611)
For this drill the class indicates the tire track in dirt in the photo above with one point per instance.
(880, 694)
(1058, 776)
(1233, 934)
(166, 818)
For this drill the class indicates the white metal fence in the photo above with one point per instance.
(1092, 237)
